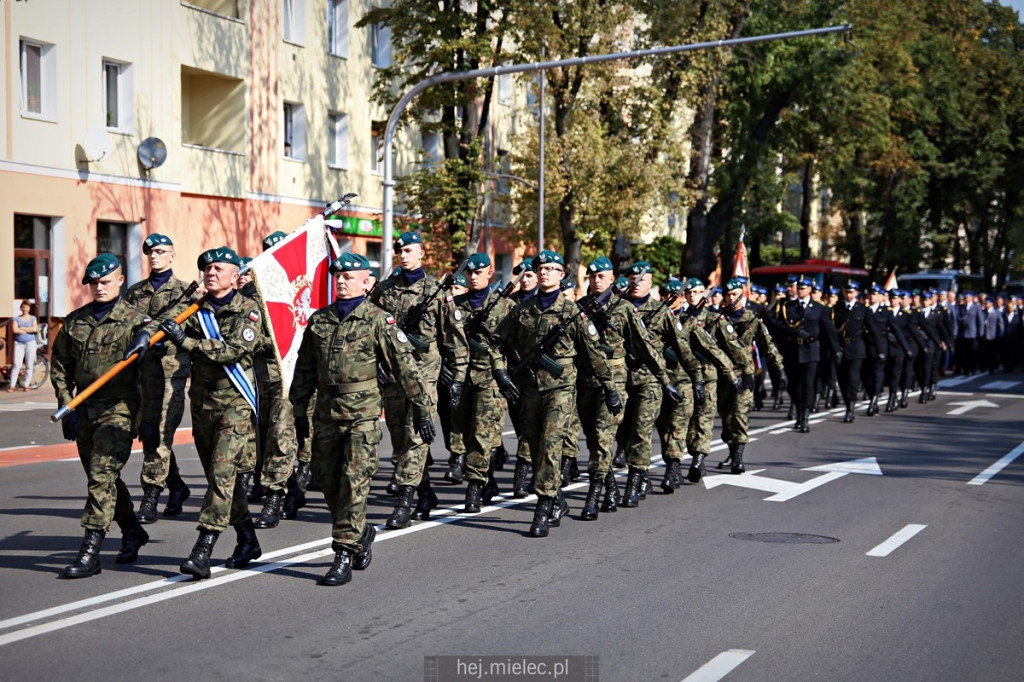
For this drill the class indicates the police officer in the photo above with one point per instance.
(546, 377)
(432, 331)
(163, 374)
(338, 359)
(93, 339)
(222, 338)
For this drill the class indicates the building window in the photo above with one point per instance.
(337, 140)
(211, 105)
(293, 21)
(337, 27)
(294, 131)
(113, 238)
(505, 89)
(227, 8)
(38, 79)
(377, 146)
(117, 95)
(432, 147)
(380, 46)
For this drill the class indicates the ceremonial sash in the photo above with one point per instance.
(237, 375)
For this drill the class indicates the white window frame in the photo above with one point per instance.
(431, 142)
(505, 89)
(47, 84)
(125, 113)
(337, 28)
(293, 21)
(380, 46)
(337, 140)
(293, 131)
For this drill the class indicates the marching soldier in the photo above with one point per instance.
(524, 469)
(222, 338)
(550, 333)
(93, 339)
(900, 349)
(163, 373)
(432, 331)
(338, 358)
(850, 321)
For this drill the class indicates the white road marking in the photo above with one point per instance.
(954, 381)
(1004, 395)
(27, 407)
(890, 545)
(1003, 462)
(968, 405)
(999, 385)
(720, 666)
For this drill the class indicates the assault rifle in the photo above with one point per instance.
(478, 322)
(419, 311)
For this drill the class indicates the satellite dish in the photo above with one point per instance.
(152, 153)
(97, 144)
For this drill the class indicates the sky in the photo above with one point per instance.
(1016, 4)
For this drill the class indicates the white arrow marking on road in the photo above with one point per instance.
(999, 385)
(1003, 462)
(969, 405)
(787, 490)
(719, 666)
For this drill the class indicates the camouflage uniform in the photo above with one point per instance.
(338, 359)
(164, 372)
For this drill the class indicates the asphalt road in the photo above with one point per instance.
(889, 549)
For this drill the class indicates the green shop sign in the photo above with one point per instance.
(359, 226)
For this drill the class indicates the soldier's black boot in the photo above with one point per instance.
(559, 508)
(457, 470)
(903, 398)
(491, 490)
(362, 560)
(814, 403)
(426, 498)
(631, 497)
(247, 548)
(645, 485)
(696, 471)
(198, 562)
(923, 395)
(294, 500)
(271, 514)
(611, 493)
(401, 517)
(848, 416)
(673, 476)
(566, 471)
(147, 508)
(619, 460)
(177, 491)
(521, 480)
(499, 457)
(392, 488)
(890, 405)
(792, 411)
(737, 458)
(87, 562)
(473, 492)
(132, 540)
(589, 512)
(541, 514)
(727, 462)
(805, 418)
(340, 571)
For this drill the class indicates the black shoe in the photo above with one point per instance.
(619, 460)
(727, 462)
(362, 560)
(401, 517)
(147, 508)
(566, 471)
(491, 490)
(903, 398)
(792, 411)
(256, 494)
(177, 493)
(737, 458)
(673, 476)
(499, 457)
(248, 548)
(87, 563)
(457, 470)
(541, 515)
(521, 481)
(890, 404)
(473, 491)
(392, 488)
(611, 493)
(589, 512)
(559, 508)
(848, 416)
(293, 502)
(804, 417)
(198, 562)
(631, 497)
(271, 514)
(340, 571)
(645, 486)
(696, 471)
(426, 499)
(131, 542)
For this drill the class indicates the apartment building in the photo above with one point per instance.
(212, 121)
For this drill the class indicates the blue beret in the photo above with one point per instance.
(641, 267)
(460, 280)
(349, 262)
(407, 238)
(735, 283)
(549, 257)
(673, 286)
(219, 255)
(525, 266)
(694, 283)
(478, 261)
(271, 239)
(621, 283)
(916, 292)
(602, 264)
(155, 240)
(243, 261)
(99, 267)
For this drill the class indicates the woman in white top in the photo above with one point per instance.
(25, 328)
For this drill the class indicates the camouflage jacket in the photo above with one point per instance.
(697, 328)
(85, 348)
(485, 354)
(751, 331)
(338, 359)
(667, 339)
(439, 334)
(266, 365)
(526, 326)
(623, 340)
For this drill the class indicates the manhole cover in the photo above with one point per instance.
(785, 538)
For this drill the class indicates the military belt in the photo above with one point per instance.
(801, 342)
(335, 390)
(616, 362)
(564, 362)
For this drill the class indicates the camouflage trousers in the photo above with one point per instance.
(479, 419)
(409, 454)
(169, 393)
(545, 418)
(734, 408)
(642, 407)
(674, 420)
(278, 445)
(104, 444)
(571, 439)
(305, 453)
(344, 462)
(698, 437)
(225, 439)
(522, 445)
(599, 427)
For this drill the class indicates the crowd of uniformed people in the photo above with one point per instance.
(616, 364)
